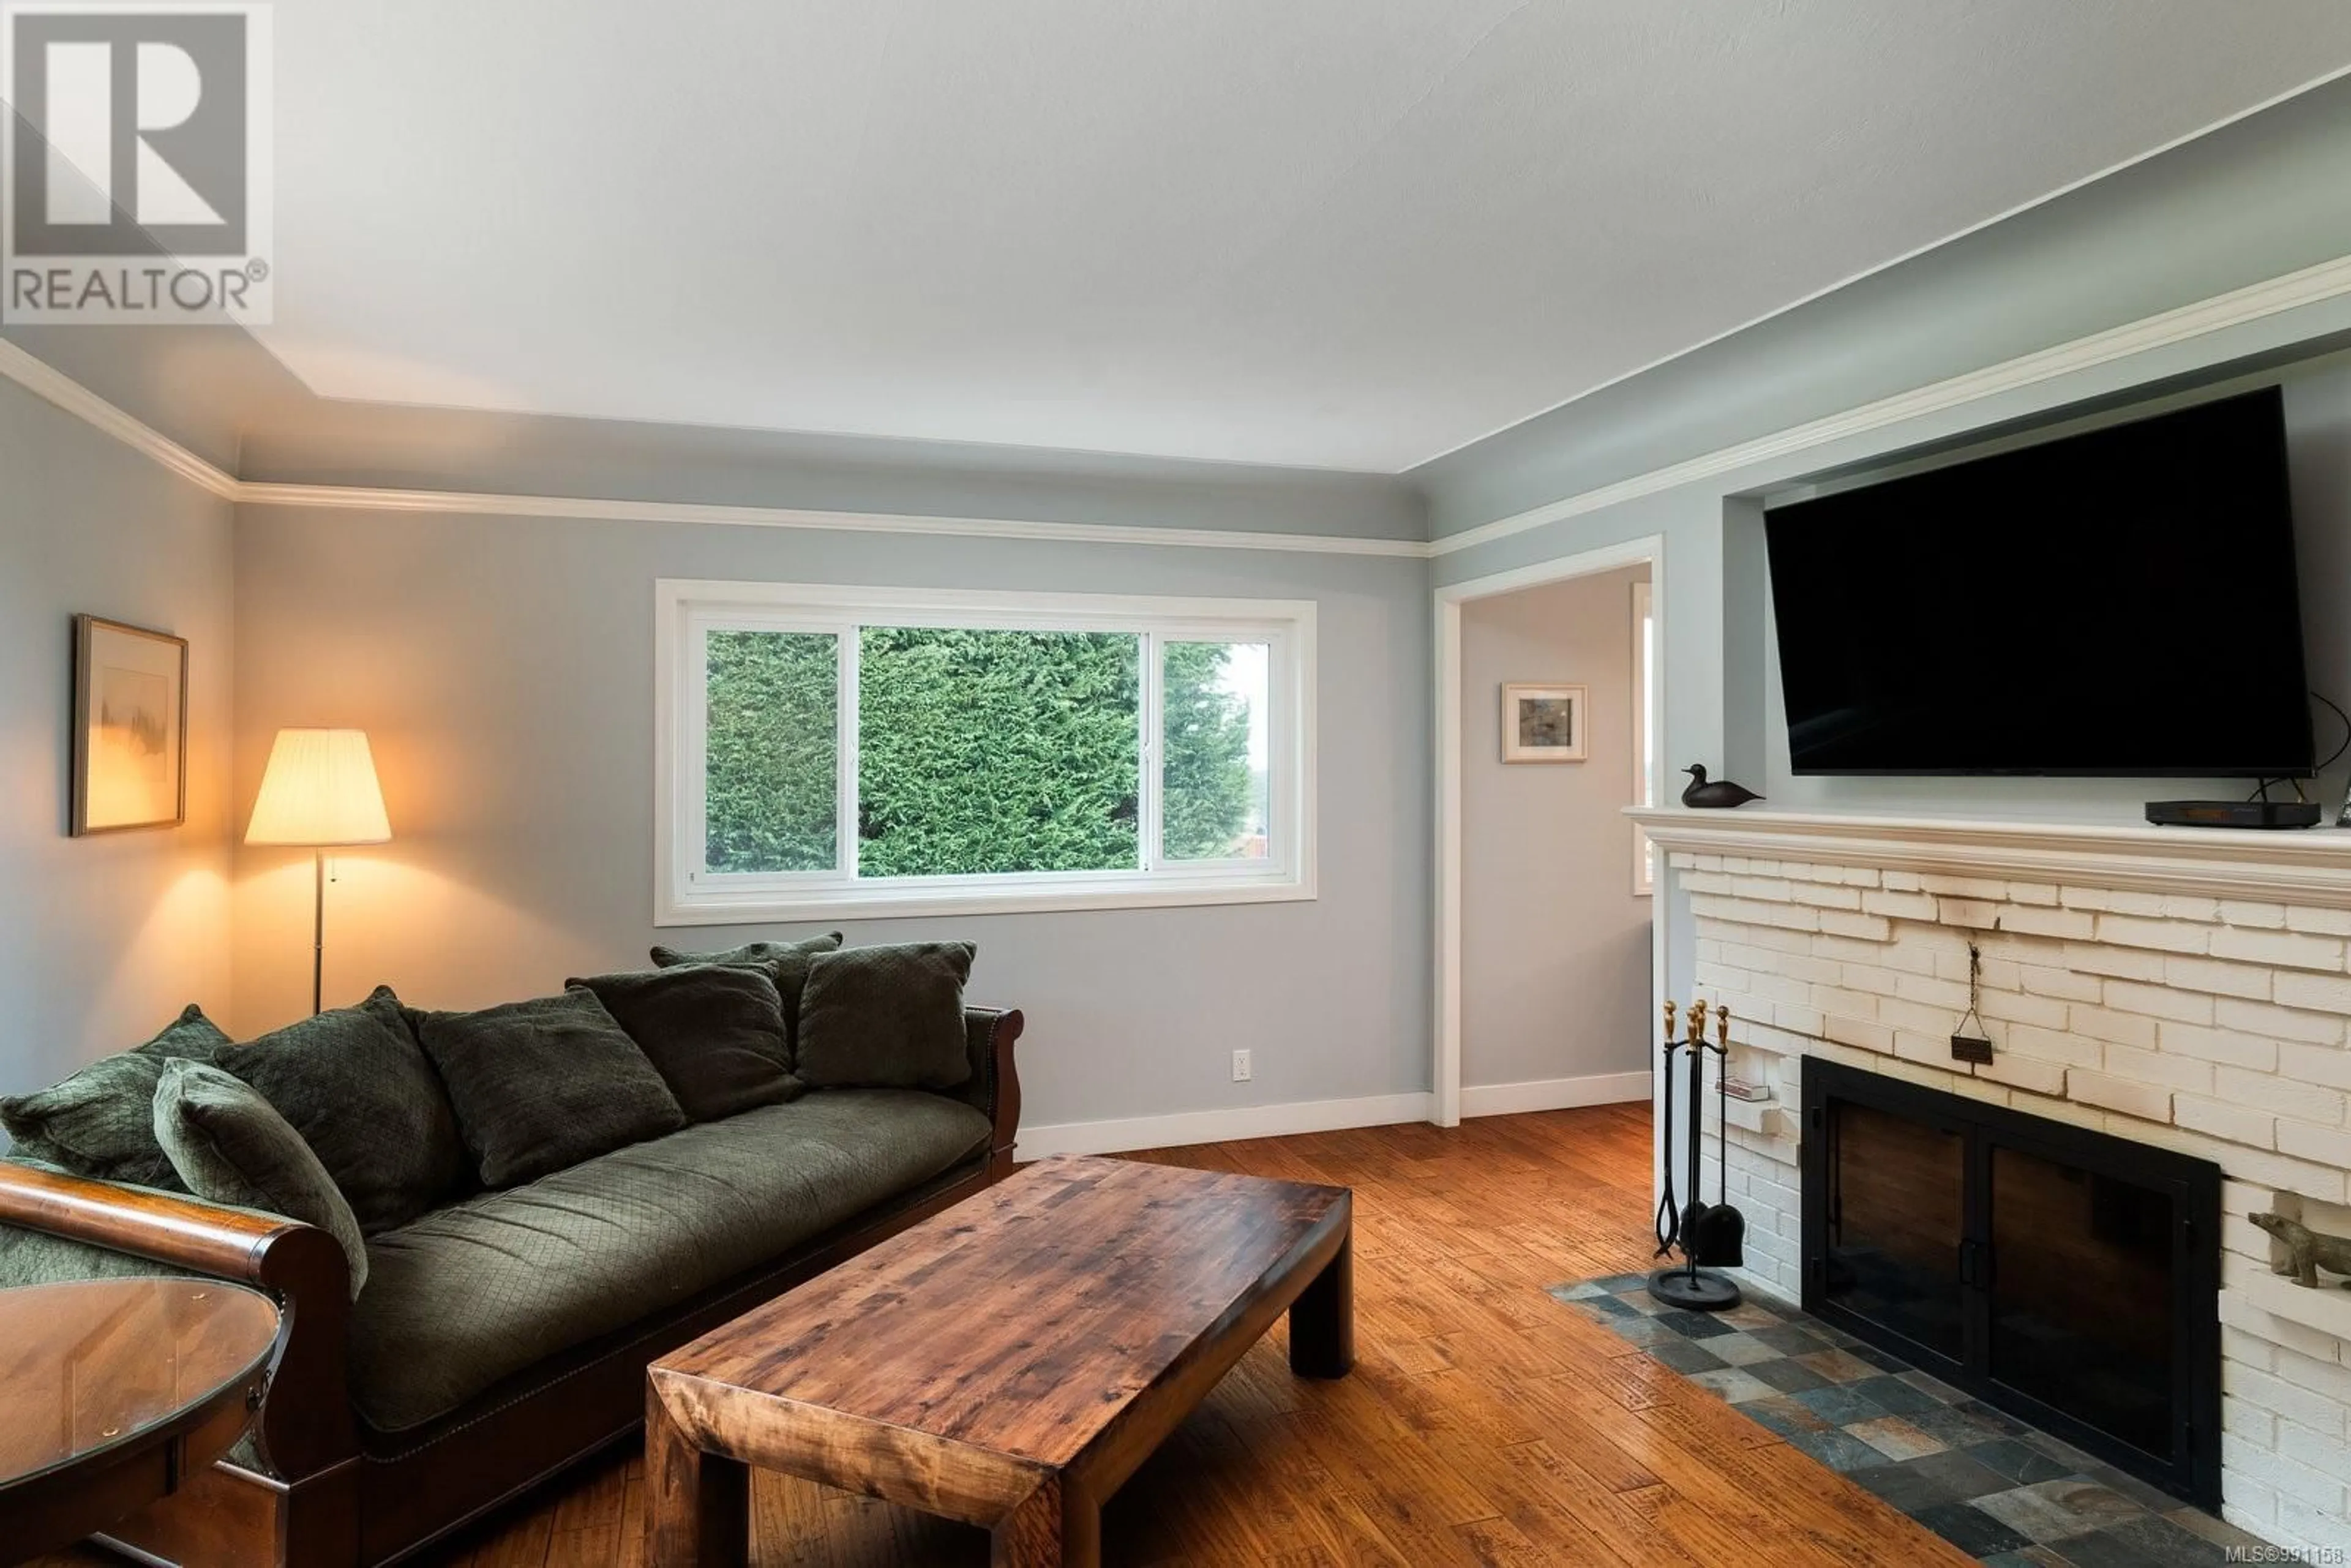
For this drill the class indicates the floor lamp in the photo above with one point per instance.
(319, 791)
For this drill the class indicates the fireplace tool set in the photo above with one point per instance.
(1709, 1235)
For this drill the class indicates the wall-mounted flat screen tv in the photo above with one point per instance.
(2118, 603)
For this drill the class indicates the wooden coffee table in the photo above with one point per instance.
(1008, 1363)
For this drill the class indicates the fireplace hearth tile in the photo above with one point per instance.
(1959, 1477)
(1643, 1332)
(1871, 1355)
(2214, 1532)
(2025, 1557)
(1788, 1376)
(2131, 1487)
(1973, 1531)
(2150, 1540)
(1695, 1325)
(1906, 1487)
(1840, 1404)
(1897, 1438)
(2008, 1494)
(1748, 1316)
(2017, 1462)
(1916, 1484)
(1961, 1428)
(1742, 1350)
(1731, 1385)
(1840, 1366)
(1838, 1450)
(1929, 1383)
(1784, 1415)
(2008, 1426)
(2053, 1510)
(1684, 1356)
(1593, 1301)
(1899, 1396)
(1789, 1339)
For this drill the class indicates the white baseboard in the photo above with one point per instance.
(1321, 1115)
(1220, 1126)
(1553, 1093)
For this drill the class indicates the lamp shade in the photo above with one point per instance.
(319, 789)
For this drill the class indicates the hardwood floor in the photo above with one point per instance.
(1484, 1424)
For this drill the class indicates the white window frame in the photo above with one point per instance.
(686, 893)
(1644, 762)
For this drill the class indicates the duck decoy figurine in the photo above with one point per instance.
(1721, 793)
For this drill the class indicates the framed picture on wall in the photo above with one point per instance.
(1543, 723)
(130, 728)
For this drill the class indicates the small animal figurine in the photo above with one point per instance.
(1721, 793)
(2307, 1250)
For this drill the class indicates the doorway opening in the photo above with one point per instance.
(1549, 702)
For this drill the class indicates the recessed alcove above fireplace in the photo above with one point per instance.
(2067, 1276)
(2186, 992)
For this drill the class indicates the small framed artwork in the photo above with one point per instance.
(130, 728)
(1543, 723)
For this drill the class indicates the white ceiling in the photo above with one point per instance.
(1349, 234)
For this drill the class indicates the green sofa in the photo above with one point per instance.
(504, 1335)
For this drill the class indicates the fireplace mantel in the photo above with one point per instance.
(2309, 866)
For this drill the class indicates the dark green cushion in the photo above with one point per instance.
(886, 1017)
(367, 1101)
(487, 1288)
(543, 1084)
(230, 1146)
(713, 1032)
(101, 1122)
(786, 964)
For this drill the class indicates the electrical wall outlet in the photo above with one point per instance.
(1241, 1072)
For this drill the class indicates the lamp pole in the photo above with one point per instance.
(318, 933)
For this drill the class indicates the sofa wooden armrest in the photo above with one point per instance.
(990, 1033)
(305, 1425)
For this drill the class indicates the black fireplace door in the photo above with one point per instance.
(2067, 1276)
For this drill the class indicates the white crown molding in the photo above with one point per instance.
(2255, 302)
(44, 379)
(2315, 285)
(361, 498)
(2310, 866)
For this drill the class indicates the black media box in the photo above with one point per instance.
(2233, 813)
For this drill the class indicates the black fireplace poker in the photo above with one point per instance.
(1700, 1232)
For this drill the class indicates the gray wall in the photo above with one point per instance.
(2251, 203)
(503, 668)
(103, 940)
(1555, 943)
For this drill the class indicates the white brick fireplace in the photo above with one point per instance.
(2182, 988)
